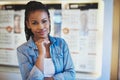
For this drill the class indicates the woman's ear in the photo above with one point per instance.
(27, 23)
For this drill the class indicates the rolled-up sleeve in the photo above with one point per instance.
(27, 69)
(69, 72)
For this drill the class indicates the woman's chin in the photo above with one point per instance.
(43, 37)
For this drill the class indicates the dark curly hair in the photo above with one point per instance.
(30, 7)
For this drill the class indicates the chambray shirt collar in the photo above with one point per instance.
(31, 43)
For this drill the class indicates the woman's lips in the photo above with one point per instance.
(42, 32)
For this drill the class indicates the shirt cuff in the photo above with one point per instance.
(36, 74)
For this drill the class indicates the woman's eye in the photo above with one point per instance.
(44, 21)
(34, 23)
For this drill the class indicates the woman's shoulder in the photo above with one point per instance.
(22, 46)
(26, 45)
(58, 39)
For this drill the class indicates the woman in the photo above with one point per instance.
(43, 57)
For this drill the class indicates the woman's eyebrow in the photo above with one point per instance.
(44, 18)
(36, 19)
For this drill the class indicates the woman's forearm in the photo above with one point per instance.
(40, 62)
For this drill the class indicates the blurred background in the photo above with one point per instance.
(94, 25)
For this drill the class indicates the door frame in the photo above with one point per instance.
(115, 41)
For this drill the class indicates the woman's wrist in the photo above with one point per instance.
(41, 56)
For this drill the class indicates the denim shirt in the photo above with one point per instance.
(59, 52)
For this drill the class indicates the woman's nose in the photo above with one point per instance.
(40, 26)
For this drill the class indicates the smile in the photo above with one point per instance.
(42, 32)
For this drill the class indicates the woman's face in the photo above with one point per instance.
(39, 23)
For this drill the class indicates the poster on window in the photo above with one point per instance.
(81, 32)
(11, 35)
